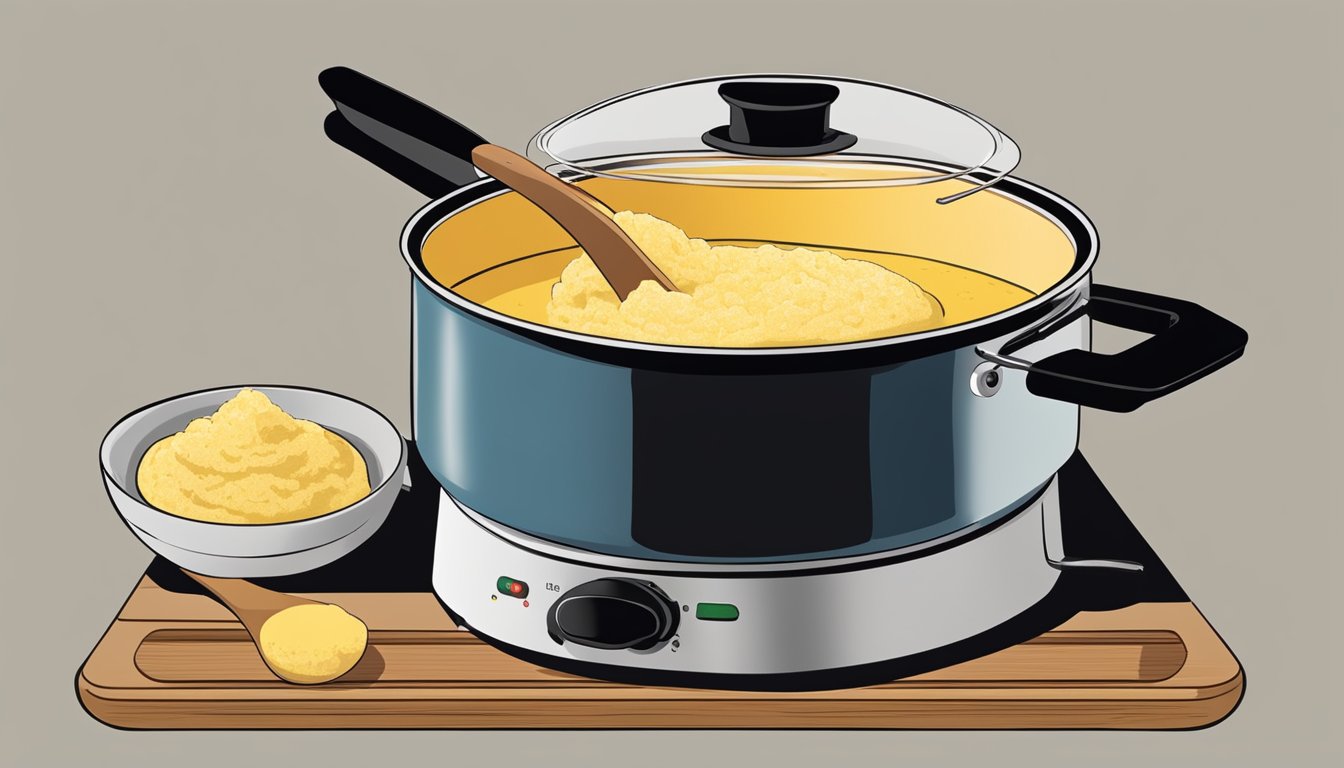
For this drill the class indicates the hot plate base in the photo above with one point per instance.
(1108, 650)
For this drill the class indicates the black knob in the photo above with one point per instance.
(613, 613)
(778, 119)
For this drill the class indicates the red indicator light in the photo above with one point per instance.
(511, 587)
(525, 603)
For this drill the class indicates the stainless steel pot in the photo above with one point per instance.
(760, 455)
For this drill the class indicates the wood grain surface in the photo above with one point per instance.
(175, 660)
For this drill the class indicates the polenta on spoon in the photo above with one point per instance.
(301, 640)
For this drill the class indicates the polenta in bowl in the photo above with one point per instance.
(273, 484)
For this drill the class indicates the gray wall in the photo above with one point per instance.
(171, 218)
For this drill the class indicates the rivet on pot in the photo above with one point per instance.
(986, 380)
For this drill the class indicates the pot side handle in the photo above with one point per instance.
(1187, 343)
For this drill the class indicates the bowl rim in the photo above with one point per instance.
(141, 533)
(110, 439)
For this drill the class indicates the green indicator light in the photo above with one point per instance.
(716, 611)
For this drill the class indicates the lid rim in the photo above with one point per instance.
(609, 170)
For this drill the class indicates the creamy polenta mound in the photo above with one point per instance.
(312, 643)
(733, 296)
(250, 462)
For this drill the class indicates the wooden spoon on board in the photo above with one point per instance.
(433, 152)
(254, 606)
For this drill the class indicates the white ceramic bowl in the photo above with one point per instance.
(255, 550)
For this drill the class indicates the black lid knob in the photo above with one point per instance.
(778, 119)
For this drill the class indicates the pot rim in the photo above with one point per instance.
(972, 331)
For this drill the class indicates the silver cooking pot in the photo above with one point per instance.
(723, 455)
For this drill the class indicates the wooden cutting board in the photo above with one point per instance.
(1120, 651)
(174, 660)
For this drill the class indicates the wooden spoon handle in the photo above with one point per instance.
(250, 603)
(617, 257)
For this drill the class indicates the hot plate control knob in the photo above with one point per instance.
(613, 614)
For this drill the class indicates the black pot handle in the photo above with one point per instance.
(1188, 342)
(427, 182)
(408, 139)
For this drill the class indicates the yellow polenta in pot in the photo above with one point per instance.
(757, 267)
(737, 296)
(251, 463)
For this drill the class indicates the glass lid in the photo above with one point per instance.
(809, 131)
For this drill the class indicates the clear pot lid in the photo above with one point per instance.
(833, 131)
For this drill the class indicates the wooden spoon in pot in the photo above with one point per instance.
(617, 257)
(421, 140)
(301, 640)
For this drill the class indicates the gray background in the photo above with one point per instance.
(173, 219)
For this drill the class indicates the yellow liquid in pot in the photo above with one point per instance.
(965, 295)
(977, 256)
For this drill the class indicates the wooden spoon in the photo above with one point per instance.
(254, 605)
(424, 141)
(585, 218)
